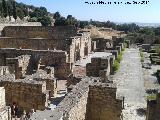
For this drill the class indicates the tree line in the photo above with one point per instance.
(8, 8)
(40, 14)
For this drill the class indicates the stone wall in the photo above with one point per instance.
(36, 37)
(153, 109)
(4, 24)
(5, 112)
(79, 46)
(31, 43)
(2, 97)
(19, 66)
(102, 103)
(52, 32)
(117, 40)
(86, 96)
(27, 94)
(54, 58)
(99, 67)
(103, 44)
(4, 70)
(67, 38)
(48, 77)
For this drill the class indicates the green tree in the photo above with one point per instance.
(20, 13)
(14, 10)
(45, 21)
(4, 8)
(56, 15)
(10, 8)
(60, 22)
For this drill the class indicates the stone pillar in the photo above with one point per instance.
(115, 53)
(119, 49)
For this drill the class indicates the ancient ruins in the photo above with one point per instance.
(34, 58)
(62, 73)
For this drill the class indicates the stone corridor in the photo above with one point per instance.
(130, 84)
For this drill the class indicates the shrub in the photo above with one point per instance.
(116, 65)
(119, 58)
(142, 59)
(151, 97)
(123, 49)
(141, 54)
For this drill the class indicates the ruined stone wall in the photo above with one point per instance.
(32, 43)
(99, 67)
(63, 70)
(4, 70)
(88, 100)
(153, 109)
(52, 32)
(73, 106)
(2, 97)
(116, 41)
(26, 94)
(48, 77)
(36, 37)
(79, 46)
(103, 44)
(5, 111)
(102, 104)
(14, 67)
(53, 58)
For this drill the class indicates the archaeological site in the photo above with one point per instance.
(61, 68)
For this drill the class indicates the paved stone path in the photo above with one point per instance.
(130, 84)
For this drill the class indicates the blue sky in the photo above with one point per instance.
(149, 13)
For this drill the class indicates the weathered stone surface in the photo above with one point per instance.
(102, 103)
(5, 111)
(79, 101)
(99, 67)
(28, 94)
(153, 108)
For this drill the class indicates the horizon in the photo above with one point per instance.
(147, 14)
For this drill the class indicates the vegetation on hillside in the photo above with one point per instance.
(145, 35)
(40, 14)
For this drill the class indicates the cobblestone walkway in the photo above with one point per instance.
(130, 84)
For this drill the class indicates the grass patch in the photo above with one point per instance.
(151, 97)
(123, 49)
(142, 56)
(116, 65)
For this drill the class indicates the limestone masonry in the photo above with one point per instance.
(36, 61)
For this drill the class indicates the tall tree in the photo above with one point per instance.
(56, 15)
(9, 5)
(14, 10)
(4, 8)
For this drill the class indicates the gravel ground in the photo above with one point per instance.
(130, 84)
